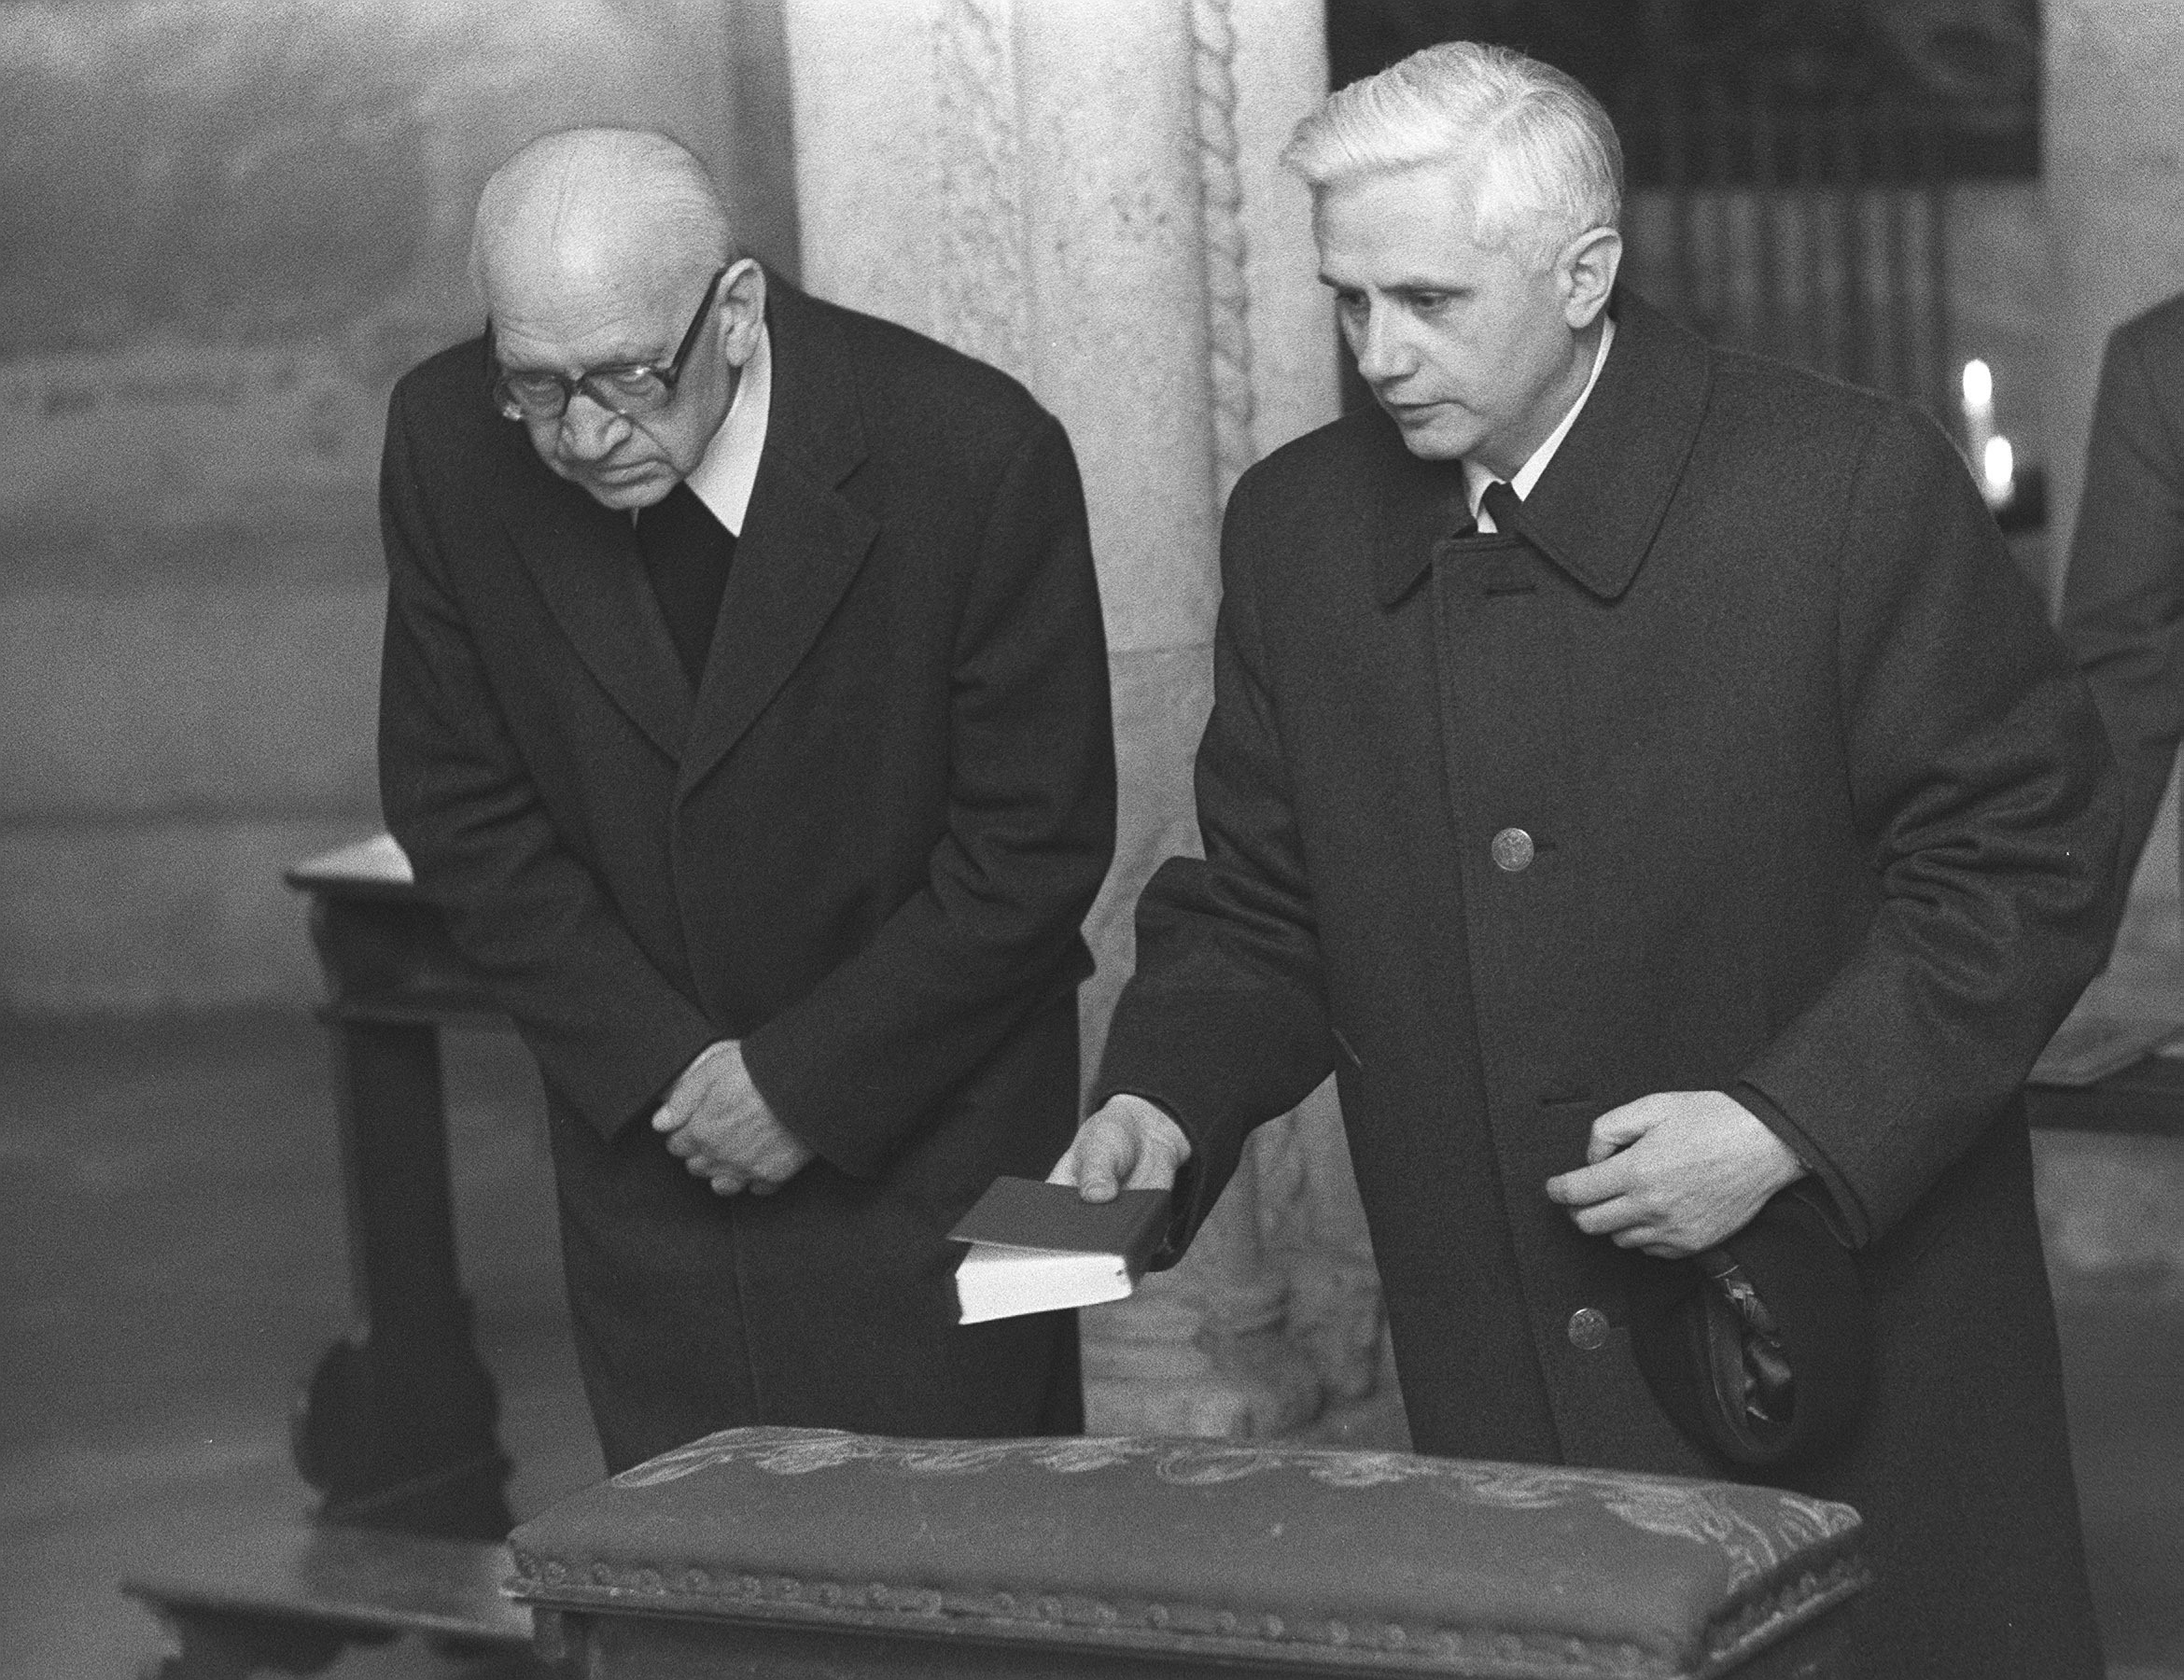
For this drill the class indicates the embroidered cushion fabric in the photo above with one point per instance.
(1275, 1548)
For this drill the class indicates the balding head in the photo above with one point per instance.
(596, 210)
(603, 255)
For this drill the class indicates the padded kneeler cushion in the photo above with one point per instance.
(1272, 1553)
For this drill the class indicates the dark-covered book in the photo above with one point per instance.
(1040, 1248)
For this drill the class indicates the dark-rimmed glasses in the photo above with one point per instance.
(624, 388)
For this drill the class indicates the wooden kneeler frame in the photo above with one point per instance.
(292, 1599)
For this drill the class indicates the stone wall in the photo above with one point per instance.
(225, 228)
(1086, 193)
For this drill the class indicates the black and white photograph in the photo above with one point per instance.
(910, 839)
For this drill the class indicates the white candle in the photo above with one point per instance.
(1979, 410)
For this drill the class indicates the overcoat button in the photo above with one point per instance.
(1589, 1329)
(1511, 850)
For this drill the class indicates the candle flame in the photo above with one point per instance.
(1979, 384)
(1999, 470)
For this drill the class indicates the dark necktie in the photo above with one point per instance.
(686, 553)
(1501, 504)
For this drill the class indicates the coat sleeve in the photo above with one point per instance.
(1981, 780)
(2124, 596)
(858, 1062)
(611, 1032)
(1225, 1023)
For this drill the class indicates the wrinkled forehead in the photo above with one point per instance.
(568, 319)
(589, 227)
(555, 287)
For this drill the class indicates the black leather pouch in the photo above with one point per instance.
(1760, 1349)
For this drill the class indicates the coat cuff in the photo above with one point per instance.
(614, 1099)
(1839, 1209)
(1187, 1201)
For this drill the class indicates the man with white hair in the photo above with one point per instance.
(1637, 773)
(744, 707)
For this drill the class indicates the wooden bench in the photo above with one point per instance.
(397, 1424)
(289, 1601)
(808, 1553)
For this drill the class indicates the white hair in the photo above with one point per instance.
(1540, 153)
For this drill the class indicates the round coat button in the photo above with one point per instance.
(1589, 1329)
(1511, 850)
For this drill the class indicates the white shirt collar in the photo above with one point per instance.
(1476, 477)
(724, 474)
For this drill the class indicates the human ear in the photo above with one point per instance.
(743, 310)
(1585, 273)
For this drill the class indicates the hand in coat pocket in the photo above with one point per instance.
(1673, 1173)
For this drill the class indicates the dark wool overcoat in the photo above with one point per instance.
(2124, 597)
(1817, 814)
(863, 848)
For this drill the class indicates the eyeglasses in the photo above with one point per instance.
(624, 388)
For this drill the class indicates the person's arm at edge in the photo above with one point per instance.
(2122, 612)
(1224, 1025)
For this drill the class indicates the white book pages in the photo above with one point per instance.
(996, 1283)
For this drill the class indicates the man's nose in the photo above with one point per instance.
(589, 428)
(1382, 352)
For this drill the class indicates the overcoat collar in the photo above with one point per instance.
(1595, 509)
(803, 540)
(583, 559)
(801, 543)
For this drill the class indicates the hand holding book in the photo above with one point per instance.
(1085, 1236)
(1127, 1143)
(1040, 1248)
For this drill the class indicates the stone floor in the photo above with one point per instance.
(171, 1262)
(170, 1242)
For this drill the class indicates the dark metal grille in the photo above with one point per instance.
(1813, 231)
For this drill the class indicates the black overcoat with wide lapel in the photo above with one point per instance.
(1817, 815)
(863, 848)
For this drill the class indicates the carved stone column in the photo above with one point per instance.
(1085, 193)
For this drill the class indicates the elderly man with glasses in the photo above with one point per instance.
(745, 707)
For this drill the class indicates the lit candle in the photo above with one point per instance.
(1979, 410)
(1998, 471)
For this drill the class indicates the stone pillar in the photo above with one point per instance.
(2115, 183)
(1085, 193)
